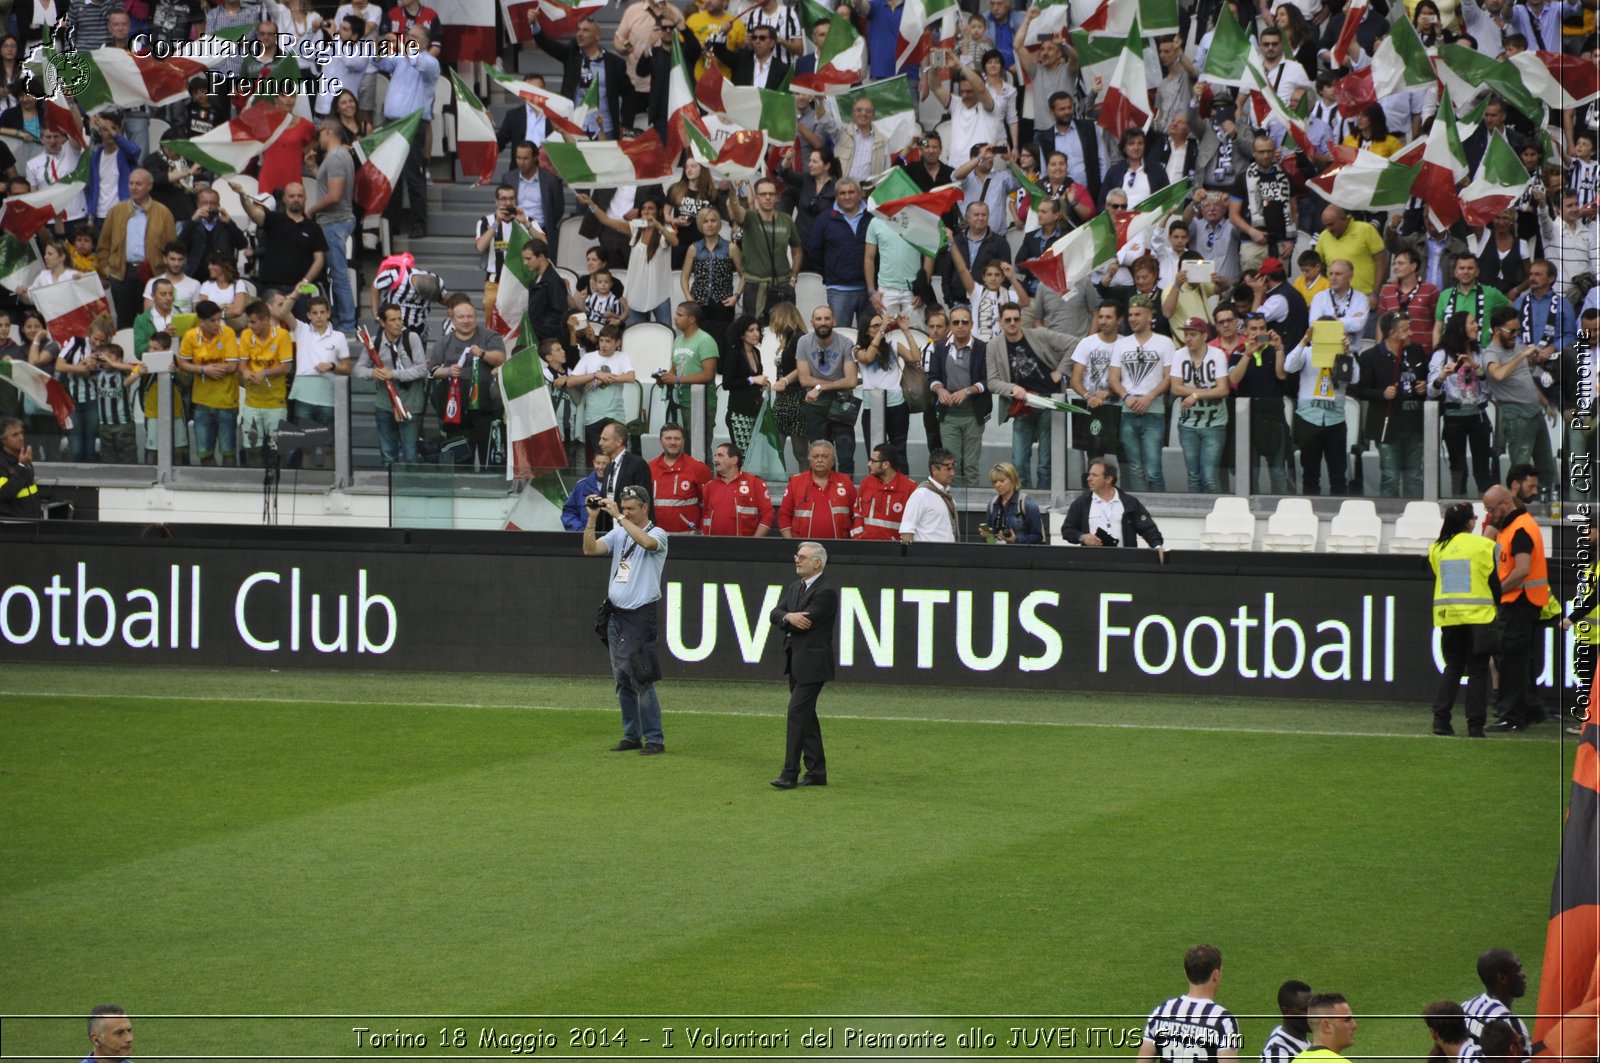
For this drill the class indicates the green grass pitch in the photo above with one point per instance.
(210, 842)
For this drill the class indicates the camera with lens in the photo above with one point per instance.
(592, 501)
(658, 374)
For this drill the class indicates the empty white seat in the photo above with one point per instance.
(1292, 528)
(571, 247)
(649, 347)
(1355, 529)
(1416, 528)
(1230, 525)
(809, 293)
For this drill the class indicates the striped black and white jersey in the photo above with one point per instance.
(1187, 1030)
(597, 306)
(404, 294)
(1484, 1009)
(1470, 1053)
(1281, 1046)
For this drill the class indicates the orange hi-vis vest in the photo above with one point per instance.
(1537, 585)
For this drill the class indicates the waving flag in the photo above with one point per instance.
(383, 154)
(69, 306)
(769, 112)
(19, 262)
(1399, 65)
(764, 456)
(1500, 182)
(640, 160)
(235, 144)
(555, 18)
(913, 213)
(1354, 13)
(1270, 111)
(1466, 72)
(915, 17)
(559, 111)
(737, 160)
(1444, 166)
(680, 97)
(532, 437)
(1371, 182)
(41, 387)
(1232, 51)
(510, 309)
(476, 147)
(60, 116)
(1561, 81)
(1112, 18)
(895, 111)
(468, 30)
(839, 63)
(1085, 249)
(23, 216)
(114, 78)
(1127, 99)
(1051, 23)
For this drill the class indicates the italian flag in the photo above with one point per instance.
(558, 110)
(530, 416)
(469, 34)
(1371, 182)
(1029, 199)
(1500, 182)
(895, 111)
(1159, 18)
(1127, 100)
(1399, 65)
(1051, 23)
(681, 103)
(1097, 56)
(913, 213)
(476, 149)
(41, 387)
(119, 79)
(1269, 109)
(69, 306)
(839, 64)
(555, 18)
(383, 154)
(915, 17)
(1466, 73)
(1085, 249)
(640, 160)
(1444, 166)
(1561, 81)
(746, 106)
(1113, 18)
(23, 216)
(510, 309)
(235, 144)
(1232, 53)
(60, 116)
(739, 157)
(19, 262)
(1355, 13)
(764, 456)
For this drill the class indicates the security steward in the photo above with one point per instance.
(1525, 589)
(1466, 591)
(19, 494)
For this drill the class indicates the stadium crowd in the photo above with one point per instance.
(1487, 328)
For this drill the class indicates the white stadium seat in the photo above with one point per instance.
(1355, 529)
(809, 293)
(1230, 525)
(1416, 528)
(1292, 528)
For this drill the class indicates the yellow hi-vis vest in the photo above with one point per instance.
(1461, 569)
(1587, 629)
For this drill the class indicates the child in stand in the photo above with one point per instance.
(1583, 173)
(82, 256)
(601, 305)
(973, 44)
(1312, 279)
(599, 372)
(116, 409)
(986, 299)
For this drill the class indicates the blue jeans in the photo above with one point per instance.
(344, 302)
(846, 307)
(1202, 455)
(1142, 437)
(1025, 432)
(397, 440)
(84, 431)
(661, 314)
(217, 430)
(641, 709)
(1400, 466)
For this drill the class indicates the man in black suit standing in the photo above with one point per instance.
(626, 470)
(807, 615)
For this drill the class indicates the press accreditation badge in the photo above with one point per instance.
(624, 572)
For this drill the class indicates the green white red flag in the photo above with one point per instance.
(1354, 13)
(1097, 56)
(1444, 166)
(533, 440)
(915, 18)
(1270, 110)
(510, 309)
(60, 116)
(1400, 64)
(681, 103)
(1500, 182)
(559, 111)
(1232, 53)
(839, 64)
(1053, 22)
(476, 148)
(1127, 100)
(113, 78)
(1113, 18)
(555, 18)
(19, 262)
(69, 306)
(1562, 81)
(468, 30)
(24, 215)
(1085, 249)
(913, 213)
(1371, 182)
(1466, 73)
(235, 144)
(894, 110)
(738, 159)
(746, 106)
(638, 160)
(764, 456)
(41, 387)
(382, 154)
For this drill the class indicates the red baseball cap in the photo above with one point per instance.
(1196, 324)
(1271, 265)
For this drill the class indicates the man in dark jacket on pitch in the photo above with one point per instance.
(1105, 516)
(807, 615)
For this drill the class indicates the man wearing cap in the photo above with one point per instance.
(1275, 299)
(628, 622)
(1394, 384)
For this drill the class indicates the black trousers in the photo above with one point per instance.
(805, 730)
(414, 180)
(127, 298)
(1319, 443)
(1459, 660)
(1517, 702)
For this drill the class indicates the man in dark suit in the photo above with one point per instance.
(625, 470)
(579, 59)
(1076, 138)
(540, 195)
(523, 122)
(807, 615)
(759, 56)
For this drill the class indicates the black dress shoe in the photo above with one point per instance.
(1503, 726)
(625, 745)
(1475, 732)
(811, 778)
(785, 782)
(1443, 729)
(652, 749)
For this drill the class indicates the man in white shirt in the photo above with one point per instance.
(56, 163)
(930, 513)
(974, 118)
(346, 67)
(185, 289)
(1569, 243)
(1140, 375)
(1342, 302)
(320, 353)
(1105, 516)
(1286, 77)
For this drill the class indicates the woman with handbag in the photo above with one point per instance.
(1466, 588)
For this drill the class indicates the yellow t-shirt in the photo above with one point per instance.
(704, 26)
(1307, 291)
(220, 394)
(1385, 147)
(1360, 245)
(260, 355)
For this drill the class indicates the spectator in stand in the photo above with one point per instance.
(1214, 236)
(657, 63)
(1512, 366)
(815, 195)
(152, 331)
(185, 289)
(882, 497)
(1342, 303)
(930, 512)
(649, 262)
(975, 117)
(403, 362)
(412, 290)
(1024, 361)
(211, 231)
(1319, 424)
(1105, 516)
(77, 365)
(411, 85)
(1045, 68)
(493, 236)
(226, 290)
(1201, 380)
(87, 23)
(981, 183)
(882, 364)
(862, 150)
(1135, 174)
(283, 162)
(600, 373)
(695, 355)
(1313, 277)
(1100, 432)
(321, 352)
(755, 66)
(346, 67)
(769, 251)
(401, 18)
(1079, 139)
(838, 240)
(958, 375)
(1263, 209)
(679, 479)
(1013, 518)
(1410, 294)
(210, 351)
(710, 276)
(743, 378)
(582, 61)
(1503, 255)
(266, 357)
(1358, 243)
(828, 374)
(335, 212)
(1456, 378)
(1548, 322)
(1394, 384)
(788, 395)
(634, 38)
(733, 502)
(1469, 295)
(977, 248)
(134, 238)
(468, 401)
(113, 160)
(1278, 303)
(787, 28)
(882, 18)
(293, 250)
(819, 503)
(574, 515)
(1262, 382)
(1140, 377)
(538, 192)
(56, 163)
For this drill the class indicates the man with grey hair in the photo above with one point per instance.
(19, 494)
(110, 1033)
(838, 241)
(628, 621)
(807, 615)
(819, 502)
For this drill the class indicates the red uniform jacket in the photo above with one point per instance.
(677, 491)
(812, 512)
(737, 507)
(878, 507)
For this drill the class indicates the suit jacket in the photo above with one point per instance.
(548, 306)
(1051, 348)
(1160, 153)
(994, 248)
(224, 238)
(570, 57)
(628, 470)
(809, 654)
(112, 254)
(1089, 137)
(552, 197)
(844, 149)
(742, 63)
(514, 127)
